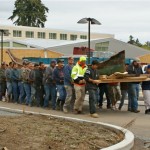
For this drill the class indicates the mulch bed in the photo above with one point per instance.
(34, 132)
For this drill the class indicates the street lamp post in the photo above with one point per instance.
(2, 33)
(89, 21)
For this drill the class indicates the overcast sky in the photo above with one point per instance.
(119, 17)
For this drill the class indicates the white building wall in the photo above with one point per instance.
(47, 31)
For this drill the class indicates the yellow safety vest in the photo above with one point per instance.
(78, 71)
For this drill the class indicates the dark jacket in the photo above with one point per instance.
(135, 70)
(92, 74)
(15, 75)
(67, 75)
(146, 85)
(8, 74)
(48, 76)
(2, 76)
(58, 76)
(124, 86)
(35, 77)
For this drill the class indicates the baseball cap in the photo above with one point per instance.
(136, 59)
(82, 58)
(36, 65)
(60, 60)
(95, 62)
(148, 67)
(53, 61)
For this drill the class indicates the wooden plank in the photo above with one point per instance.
(123, 80)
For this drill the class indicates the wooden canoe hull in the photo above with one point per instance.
(114, 64)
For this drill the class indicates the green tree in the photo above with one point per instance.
(29, 13)
(131, 40)
(146, 45)
(138, 43)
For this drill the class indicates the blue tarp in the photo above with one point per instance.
(48, 60)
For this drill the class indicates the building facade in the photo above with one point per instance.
(23, 32)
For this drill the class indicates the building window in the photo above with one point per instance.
(103, 46)
(6, 32)
(41, 35)
(5, 44)
(17, 33)
(29, 34)
(52, 36)
(63, 36)
(19, 45)
(83, 37)
(73, 37)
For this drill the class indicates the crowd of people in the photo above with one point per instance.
(63, 87)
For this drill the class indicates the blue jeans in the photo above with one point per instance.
(104, 90)
(50, 92)
(62, 92)
(27, 89)
(35, 94)
(21, 92)
(9, 88)
(129, 101)
(92, 100)
(15, 91)
(134, 95)
(123, 96)
(98, 96)
(2, 89)
(0, 92)
(70, 96)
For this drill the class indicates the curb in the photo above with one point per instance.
(126, 144)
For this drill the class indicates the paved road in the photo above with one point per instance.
(6, 113)
(141, 126)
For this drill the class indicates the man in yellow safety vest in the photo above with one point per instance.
(77, 75)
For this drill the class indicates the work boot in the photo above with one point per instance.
(147, 111)
(75, 111)
(109, 107)
(62, 105)
(135, 111)
(58, 104)
(95, 115)
(8, 98)
(3, 99)
(65, 110)
(100, 106)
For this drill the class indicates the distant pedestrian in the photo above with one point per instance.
(50, 86)
(135, 69)
(22, 94)
(68, 83)
(124, 93)
(146, 92)
(91, 77)
(41, 71)
(58, 76)
(15, 80)
(35, 79)
(114, 94)
(26, 81)
(103, 89)
(8, 75)
(77, 75)
(2, 81)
